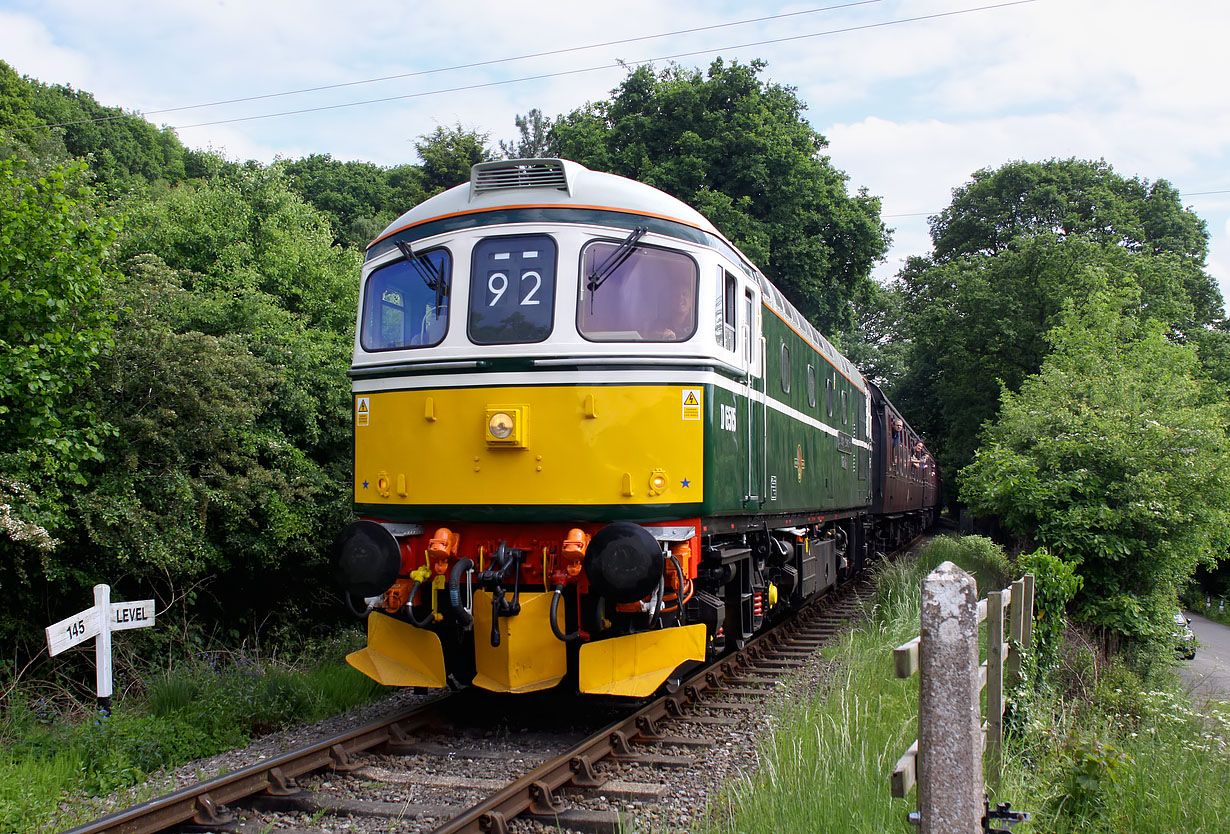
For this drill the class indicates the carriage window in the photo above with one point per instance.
(512, 290)
(406, 302)
(649, 296)
(811, 385)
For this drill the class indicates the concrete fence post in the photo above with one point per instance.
(950, 788)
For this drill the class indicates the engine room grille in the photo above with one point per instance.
(518, 173)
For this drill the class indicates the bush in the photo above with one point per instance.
(977, 555)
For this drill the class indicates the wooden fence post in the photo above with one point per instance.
(1016, 630)
(1027, 613)
(995, 685)
(950, 798)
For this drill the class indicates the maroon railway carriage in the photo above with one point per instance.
(905, 492)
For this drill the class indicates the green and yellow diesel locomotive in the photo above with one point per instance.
(594, 444)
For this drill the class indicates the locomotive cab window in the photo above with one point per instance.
(405, 304)
(828, 394)
(728, 311)
(633, 293)
(512, 290)
(811, 385)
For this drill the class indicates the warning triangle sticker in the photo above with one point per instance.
(362, 405)
(691, 400)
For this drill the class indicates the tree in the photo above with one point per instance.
(52, 328)
(448, 155)
(359, 198)
(535, 131)
(226, 384)
(1071, 197)
(1112, 457)
(1012, 246)
(976, 323)
(739, 150)
(875, 342)
(124, 150)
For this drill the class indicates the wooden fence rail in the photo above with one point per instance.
(946, 653)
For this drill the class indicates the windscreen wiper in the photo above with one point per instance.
(427, 271)
(614, 261)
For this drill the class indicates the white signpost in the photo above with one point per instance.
(105, 617)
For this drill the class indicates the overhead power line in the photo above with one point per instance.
(525, 57)
(543, 76)
(561, 73)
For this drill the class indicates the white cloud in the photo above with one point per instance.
(910, 110)
(28, 47)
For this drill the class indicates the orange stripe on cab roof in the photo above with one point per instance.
(541, 206)
(857, 387)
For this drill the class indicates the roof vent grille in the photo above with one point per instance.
(518, 173)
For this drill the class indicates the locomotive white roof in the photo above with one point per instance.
(526, 183)
(549, 182)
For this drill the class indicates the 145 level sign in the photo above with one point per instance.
(99, 621)
(86, 624)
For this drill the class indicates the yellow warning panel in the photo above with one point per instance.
(530, 657)
(399, 654)
(637, 664)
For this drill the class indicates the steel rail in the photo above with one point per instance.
(201, 803)
(535, 791)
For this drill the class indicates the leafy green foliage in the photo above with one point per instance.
(52, 328)
(1071, 197)
(233, 333)
(53, 331)
(124, 150)
(448, 154)
(1055, 585)
(1013, 246)
(1112, 458)
(358, 198)
(534, 130)
(981, 321)
(739, 150)
(875, 340)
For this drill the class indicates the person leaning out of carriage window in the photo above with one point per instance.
(919, 457)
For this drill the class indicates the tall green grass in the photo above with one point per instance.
(54, 764)
(1110, 752)
(1099, 750)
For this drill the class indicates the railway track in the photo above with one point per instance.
(474, 762)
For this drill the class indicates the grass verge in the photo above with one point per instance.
(1096, 749)
(52, 765)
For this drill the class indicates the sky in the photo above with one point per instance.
(913, 95)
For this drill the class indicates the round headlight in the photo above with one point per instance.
(500, 425)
